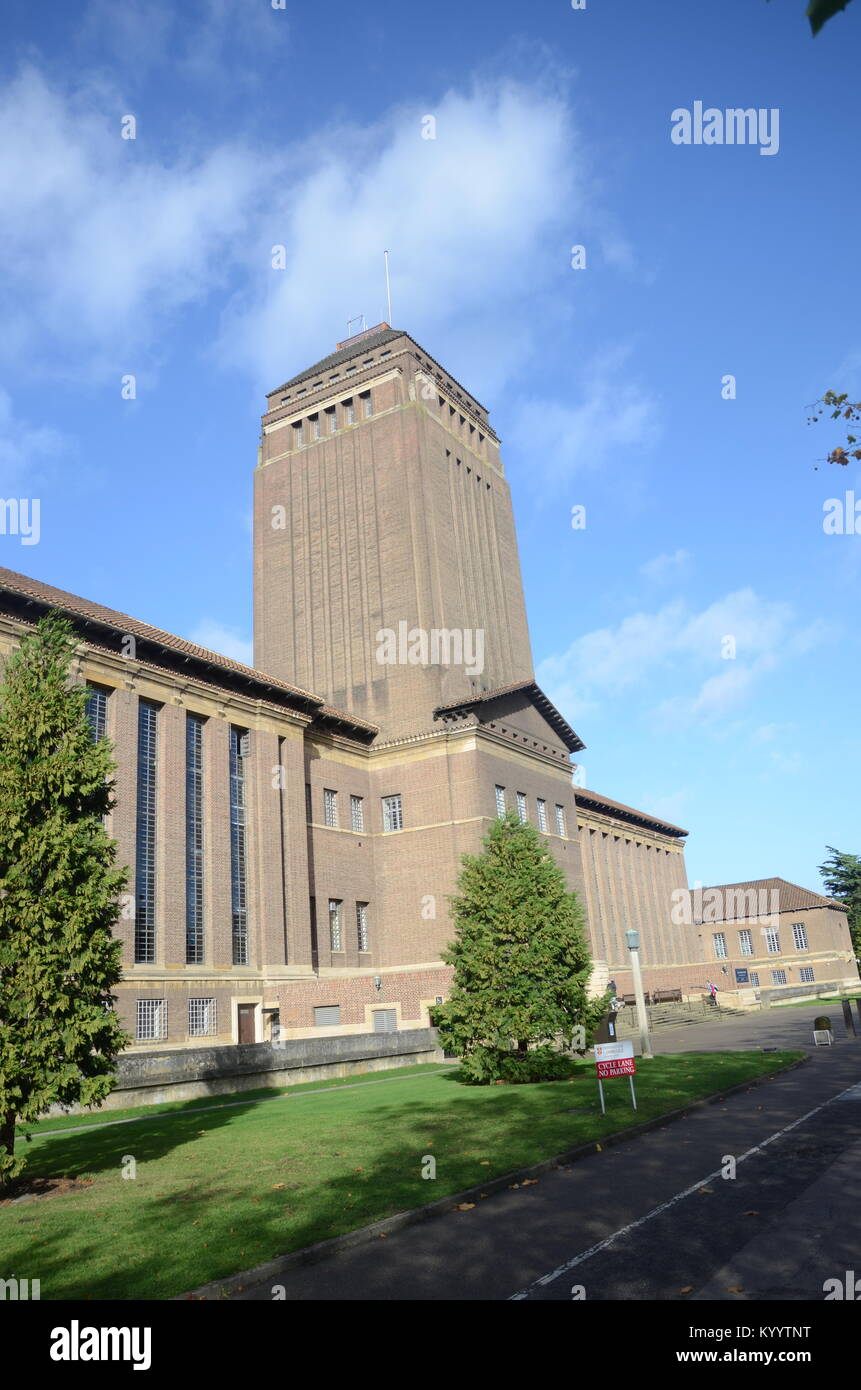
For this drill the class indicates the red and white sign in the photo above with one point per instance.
(615, 1059)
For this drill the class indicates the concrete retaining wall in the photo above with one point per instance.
(154, 1078)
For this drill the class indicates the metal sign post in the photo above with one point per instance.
(615, 1059)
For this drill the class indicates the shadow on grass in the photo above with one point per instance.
(168, 1242)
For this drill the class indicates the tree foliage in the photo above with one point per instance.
(841, 876)
(820, 11)
(59, 892)
(839, 407)
(521, 961)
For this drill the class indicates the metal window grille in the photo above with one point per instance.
(719, 939)
(330, 807)
(799, 936)
(333, 419)
(145, 848)
(238, 844)
(362, 925)
(521, 807)
(560, 820)
(367, 406)
(201, 1018)
(97, 712)
(500, 801)
(194, 840)
(315, 426)
(778, 977)
(542, 814)
(754, 978)
(357, 813)
(335, 938)
(350, 412)
(393, 816)
(385, 1020)
(772, 941)
(807, 976)
(745, 942)
(151, 1019)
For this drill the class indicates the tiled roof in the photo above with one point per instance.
(335, 359)
(793, 898)
(603, 803)
(24, 587)
(534, 692)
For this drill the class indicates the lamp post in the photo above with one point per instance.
(633, 940)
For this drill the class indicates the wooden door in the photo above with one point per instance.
(246, 1023)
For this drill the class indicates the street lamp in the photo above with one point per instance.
(633, 940)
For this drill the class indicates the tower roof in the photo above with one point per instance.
(373, 338)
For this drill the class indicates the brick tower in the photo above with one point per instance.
(386, 574)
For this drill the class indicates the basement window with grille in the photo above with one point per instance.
(151, 1020)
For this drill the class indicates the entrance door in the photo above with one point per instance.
(246, 1022)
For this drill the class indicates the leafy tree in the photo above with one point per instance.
(820, 11)
(840, 408)
(521, 962)
(841, 876)
(59, 892)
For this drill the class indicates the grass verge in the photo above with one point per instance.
(221, 1190)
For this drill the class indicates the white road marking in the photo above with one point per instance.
(852, 1092)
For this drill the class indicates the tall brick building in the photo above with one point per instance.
(292, 831)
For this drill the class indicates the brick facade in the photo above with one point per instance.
(400, 516)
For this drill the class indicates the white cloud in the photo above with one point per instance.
(666, 566)
(226, 641)
(684, 649)
(26, 451)
(613, 415)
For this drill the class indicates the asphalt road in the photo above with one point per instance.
(654, 1218)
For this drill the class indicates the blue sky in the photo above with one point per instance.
(258, 126)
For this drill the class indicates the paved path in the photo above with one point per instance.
(652, 1217)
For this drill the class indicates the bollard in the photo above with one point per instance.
(847, 1017)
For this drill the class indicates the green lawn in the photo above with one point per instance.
(817, 1005)
(219, 1190)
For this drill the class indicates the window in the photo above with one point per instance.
(745, 943)
(238, 844)
(308, 807)
(772, 941)
(357, 814)
(393, 816)
(362, 925)
(315, 426)
(521, 807)
(151, 1020)
(778, 977)
(367, 405)
(298, 435)
(807, 976)
(327, 1016)
(201, 1018)
(560, 820)
(385, 1020)
(145, 853)
(350, 411)
(330, 807)
(719, 940)
(194, 840)
(542, 814)
(500, 801)
(97, 712)
(333, 419)
(335, 941)
(754, 978)
(799, 936)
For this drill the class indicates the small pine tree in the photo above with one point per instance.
(521, 960)
(841, 877)
(59, 892)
